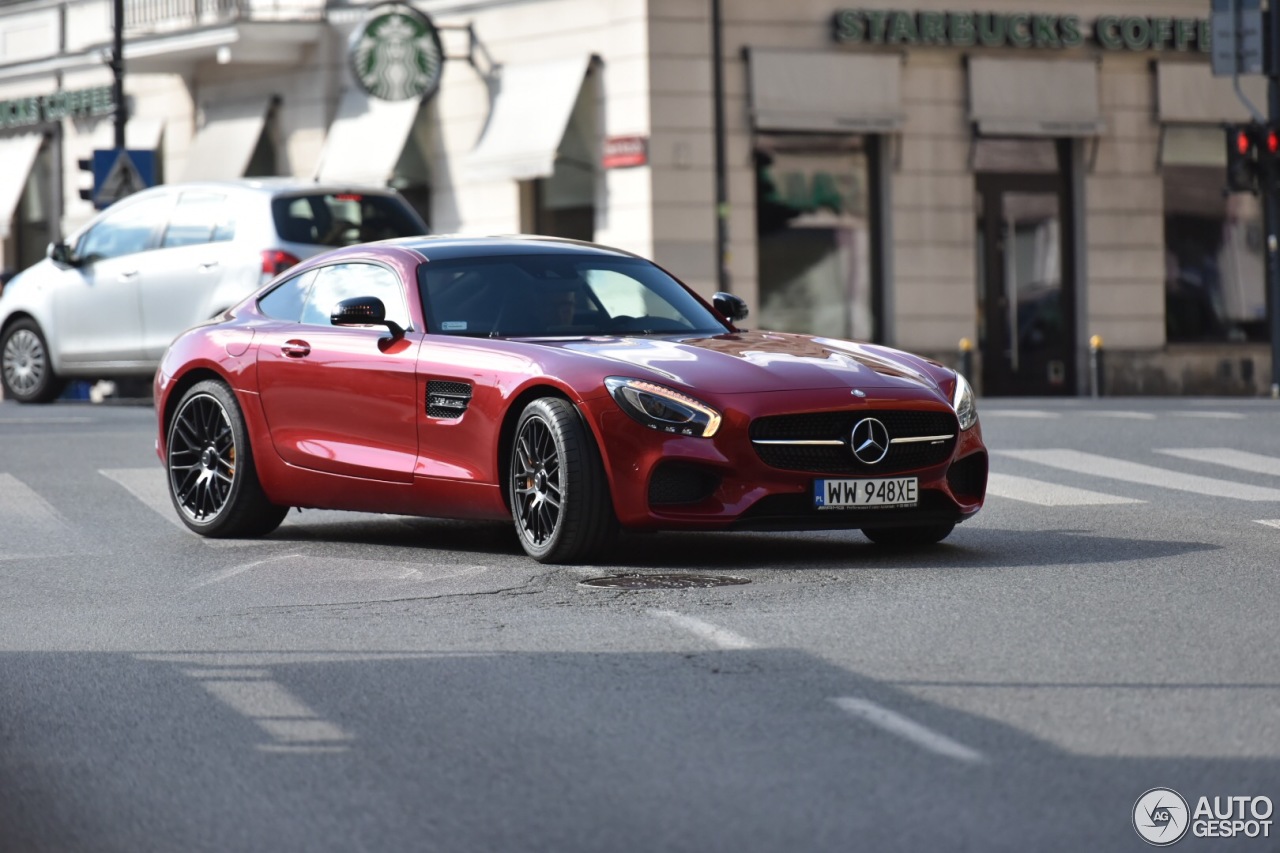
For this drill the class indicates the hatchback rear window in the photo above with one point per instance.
(342, 219)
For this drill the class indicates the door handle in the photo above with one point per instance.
(127, 276)
(208, 265)
(296, 349)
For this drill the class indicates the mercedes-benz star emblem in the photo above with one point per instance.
(870, 441)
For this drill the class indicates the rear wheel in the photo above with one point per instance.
(25, 368)
(925, 534)
(212, 479)
(559, 494)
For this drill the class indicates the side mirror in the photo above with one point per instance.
(733, 307)
(60, 254)
(363, 311)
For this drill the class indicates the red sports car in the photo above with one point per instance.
(577, 389)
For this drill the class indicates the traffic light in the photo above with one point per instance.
(1252, 151)
(86, 165)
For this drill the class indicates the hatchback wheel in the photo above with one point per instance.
(25, 369)
(559, 494)
(212, 479)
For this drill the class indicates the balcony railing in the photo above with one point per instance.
(152, 15)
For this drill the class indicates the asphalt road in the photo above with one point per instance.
(1107, 625)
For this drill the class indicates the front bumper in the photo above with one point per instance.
(667, 482)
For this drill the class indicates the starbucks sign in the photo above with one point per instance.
(396, 54)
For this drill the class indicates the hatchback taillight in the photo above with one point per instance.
(275, 261)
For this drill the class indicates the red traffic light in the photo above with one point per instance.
(1273, 142)
(1242, 142)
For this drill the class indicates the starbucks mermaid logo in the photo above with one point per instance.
(396, 54)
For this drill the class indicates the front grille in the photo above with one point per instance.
(839, 459)
(673, 483)
(447, 399)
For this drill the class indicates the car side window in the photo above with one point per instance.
(124, 231)
(199, 217)
(285, 300)
(343, 281)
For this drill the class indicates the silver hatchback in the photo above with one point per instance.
(106, 302)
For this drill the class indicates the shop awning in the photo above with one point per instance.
(1187, 92)
(825, 92)
(18, 153)
(1034, 97)
(366, 139)
(223, 147)
(527, 120)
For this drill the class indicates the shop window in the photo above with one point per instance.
(1214, 265)
(564, 204)
(814, 236)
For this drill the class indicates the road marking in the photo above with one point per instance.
(44, 421)
(283, 716)
(1133, 416)
(225, 574)
(31, 527)
(148, 485)
(1043, 493)
(713, 634)
(1228, 457)
(908, 729)
(1269, 522)
(1148, 475)
(1020, 413)
(1222, 416)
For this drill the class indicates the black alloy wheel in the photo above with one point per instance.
(905, 537)
(212, 479)
(25, 369)
(559, 493)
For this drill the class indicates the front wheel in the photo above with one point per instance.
(559, 492)
(925, 534)
(212, 479)
(26, 370)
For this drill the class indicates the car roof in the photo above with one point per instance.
(276, 186)
(444, 247)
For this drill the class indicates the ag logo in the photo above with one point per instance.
(396, 54)
(1160, 816)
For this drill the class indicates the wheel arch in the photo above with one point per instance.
(507, 433)
(180, 387)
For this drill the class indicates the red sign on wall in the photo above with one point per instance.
(623, 151)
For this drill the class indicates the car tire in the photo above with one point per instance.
(210, 469)
(927, 534)
(559, 494)
(26, 370)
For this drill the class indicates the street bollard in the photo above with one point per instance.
(1096, 365)
(966, 359)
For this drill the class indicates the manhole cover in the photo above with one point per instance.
(666, 581)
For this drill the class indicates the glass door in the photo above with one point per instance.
(1025, 308)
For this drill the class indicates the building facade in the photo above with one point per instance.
(1019, 176)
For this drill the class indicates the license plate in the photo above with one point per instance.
(855, 494)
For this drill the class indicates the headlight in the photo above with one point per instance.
(662, 408)
(964, 404)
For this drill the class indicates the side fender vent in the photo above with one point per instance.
(447, 399)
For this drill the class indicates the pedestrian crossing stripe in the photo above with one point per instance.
(1228, 457)
(1044, 493)
(1110, 468)
(33, 528)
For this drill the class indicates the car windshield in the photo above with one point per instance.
(342, 219)
(558, 295)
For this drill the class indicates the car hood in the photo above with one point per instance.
(755, 362)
